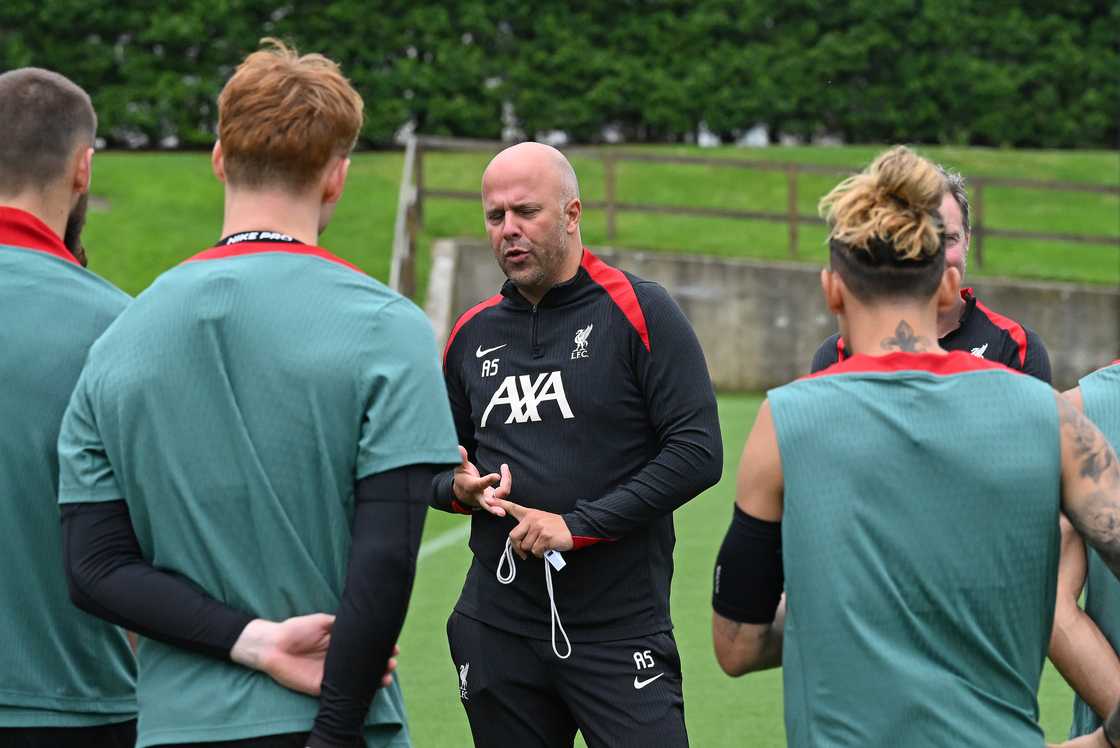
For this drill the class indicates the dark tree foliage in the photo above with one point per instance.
(983, 72)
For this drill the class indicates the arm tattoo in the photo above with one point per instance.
(1094, 456)
(1093, 498)
(727, 628)
(905, 340)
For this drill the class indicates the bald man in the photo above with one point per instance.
(585, 416)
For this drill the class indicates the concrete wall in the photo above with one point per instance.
(761, 322)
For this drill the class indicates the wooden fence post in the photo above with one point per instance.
(609, 178)
(408, 262)
(418, 177)
(977, 240)
(791, 174)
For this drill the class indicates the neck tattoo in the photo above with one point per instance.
(905, 340)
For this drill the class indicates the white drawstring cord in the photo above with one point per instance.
(556, 623)
(507, 558)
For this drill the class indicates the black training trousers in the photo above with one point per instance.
(119, 735)
(517, 692)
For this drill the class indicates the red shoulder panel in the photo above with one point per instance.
(619, 288)
(465, 318)
(1014, 329)
(253, 248)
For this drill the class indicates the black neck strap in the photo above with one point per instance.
(257, 236)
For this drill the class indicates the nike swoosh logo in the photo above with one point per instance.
(640, 684)
(479, 353)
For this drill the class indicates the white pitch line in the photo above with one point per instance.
(444, 540)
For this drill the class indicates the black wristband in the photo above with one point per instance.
(749, 576)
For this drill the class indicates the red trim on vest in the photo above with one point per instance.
(460, 508)
(619, 288)
(18, 228)
(582, 541)
(1014, 329)
(256, 248)
(946, 364)
(840, 353)
(466, 317)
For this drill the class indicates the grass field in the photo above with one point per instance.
(162, 208)
(720, 711)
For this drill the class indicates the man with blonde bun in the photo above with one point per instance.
(916, 544)
(258, 432)
(968, 324)
(67, 680)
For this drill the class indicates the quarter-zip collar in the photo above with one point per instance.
(571, 290)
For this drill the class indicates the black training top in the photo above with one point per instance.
(599, 400)
(982, 332)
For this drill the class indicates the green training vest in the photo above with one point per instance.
(920, 544)
(59, 667)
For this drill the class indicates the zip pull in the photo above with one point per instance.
(536, 349)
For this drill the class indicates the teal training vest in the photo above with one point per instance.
(1100, 393)
(59, 667)
(920, 543)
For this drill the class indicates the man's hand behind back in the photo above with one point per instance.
(291, 652)
(294, 651)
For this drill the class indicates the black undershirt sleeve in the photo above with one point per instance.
(388, 521)
(1037, 362)
(441, 496)
(681, 408)
(109, 577)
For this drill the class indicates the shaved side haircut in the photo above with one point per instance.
(44, 118)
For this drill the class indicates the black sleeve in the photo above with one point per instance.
(826, 355)
(388, 521)
(749, 575)
(441, 496)
(1037, 362)
(108, 577)
(681, 406)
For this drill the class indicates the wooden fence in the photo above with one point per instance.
(413, 193)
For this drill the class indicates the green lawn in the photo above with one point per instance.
(162, 208)
(720, 711)
(721, 187)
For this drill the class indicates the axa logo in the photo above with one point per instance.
(524, 394)
(581, 343)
